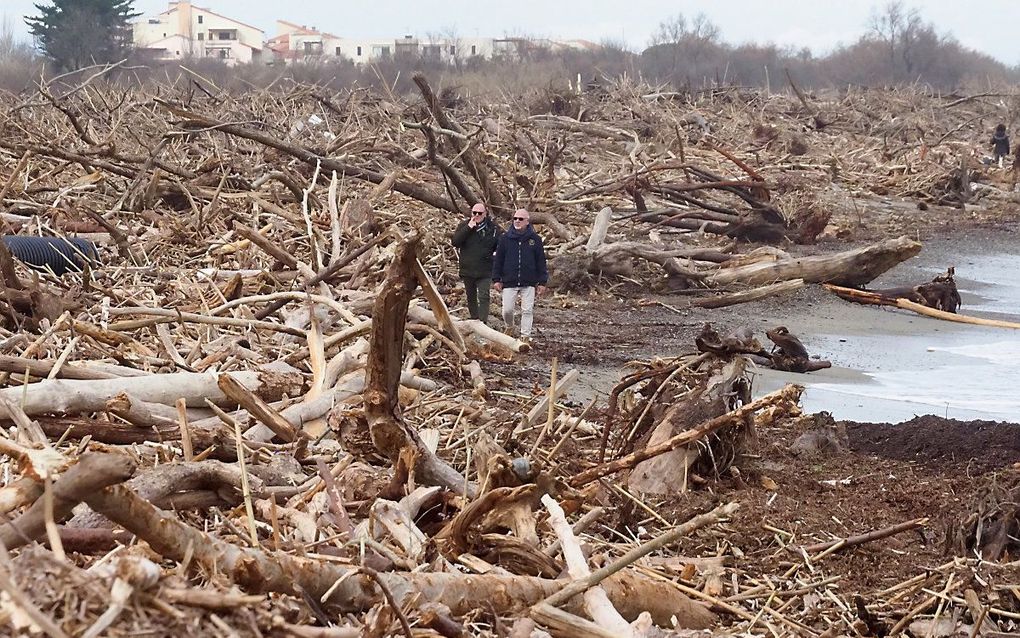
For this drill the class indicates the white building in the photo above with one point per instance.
(303, 43)
(185, 30)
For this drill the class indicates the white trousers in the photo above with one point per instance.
(527, 294)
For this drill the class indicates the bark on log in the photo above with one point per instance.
(140, 413)
(158, 484)
(390, 434)
(849, 268)
(91, 473)
(258, 572)
(72, 396)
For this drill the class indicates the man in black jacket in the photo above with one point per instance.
(476, 237)
(518, 268)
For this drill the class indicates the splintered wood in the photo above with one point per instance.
(261, 412)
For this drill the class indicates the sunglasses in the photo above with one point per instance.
(520, 219)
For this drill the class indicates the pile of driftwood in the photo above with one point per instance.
(363, 523)
(257, 414)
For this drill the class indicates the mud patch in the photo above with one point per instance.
(929, 439)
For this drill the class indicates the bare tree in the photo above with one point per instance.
(10, 47)
(910, 43)
(456, 46)
(685, 43)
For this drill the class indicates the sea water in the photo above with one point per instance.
(900, 366)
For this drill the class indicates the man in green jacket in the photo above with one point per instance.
(476, 239)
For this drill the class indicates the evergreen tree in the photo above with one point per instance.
(77, 33)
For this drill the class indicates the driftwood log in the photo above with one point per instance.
(939, 294)
(389, 432)
(849, 268)
(258, 571)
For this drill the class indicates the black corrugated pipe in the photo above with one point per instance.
(54, 253)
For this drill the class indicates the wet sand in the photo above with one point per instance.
(890, 365)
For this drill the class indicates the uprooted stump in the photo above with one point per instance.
(792, 355)
(693, 390)
(992, 529)
(940, 293)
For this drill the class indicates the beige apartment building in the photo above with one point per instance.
(185, 30)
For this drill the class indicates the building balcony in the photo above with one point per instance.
(222, 35)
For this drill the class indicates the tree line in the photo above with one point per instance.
(685, 53)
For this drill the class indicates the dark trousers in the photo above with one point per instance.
(477, 291)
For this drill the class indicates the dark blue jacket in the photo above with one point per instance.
(1001, 143)
(520, 259)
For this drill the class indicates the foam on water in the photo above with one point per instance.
(955, 391)
(964, 372)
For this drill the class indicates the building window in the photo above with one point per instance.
(164, 35)
(359, 52)
(338, 53)
(453, 50)
(201, 36)
(474, 50)
(200, 19)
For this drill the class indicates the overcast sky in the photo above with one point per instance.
(991, 26)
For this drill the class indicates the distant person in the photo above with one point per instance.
(1000, 144)
(476, 238)
(518, 270)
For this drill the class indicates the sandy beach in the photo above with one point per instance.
(890, 365)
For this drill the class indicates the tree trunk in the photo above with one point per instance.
(382, 373)
(849, 268)
(257, 571)
(72, 396)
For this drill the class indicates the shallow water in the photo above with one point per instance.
(889, 366)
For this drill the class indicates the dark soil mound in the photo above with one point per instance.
(983, 445)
